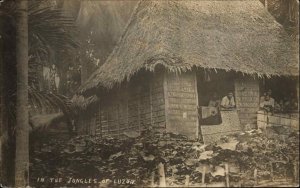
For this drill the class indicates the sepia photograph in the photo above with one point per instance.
(149, 93)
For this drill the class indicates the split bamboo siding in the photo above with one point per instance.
(247, 100)
(168, 103)
(182, 102)
(134, 106)
(158, 102)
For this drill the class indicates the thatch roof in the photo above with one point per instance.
(213, 34)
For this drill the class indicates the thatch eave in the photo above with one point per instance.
(177, 69)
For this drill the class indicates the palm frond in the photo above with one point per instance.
(43, 122)
(50, 101)
(49, 28)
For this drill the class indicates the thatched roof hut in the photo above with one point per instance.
(230, 35)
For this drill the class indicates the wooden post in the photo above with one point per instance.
(107, 115)
(127, 106)
(100, 118)
(152, 179)
(296, 171)
(227, 174)
(271, 172)
(285, 174)
(255, 176)
(199, 132)
(166, 100)
(162, 177)
(118, 113)
(203, 174)
(139, 108)
(151, 103)
(187, 181)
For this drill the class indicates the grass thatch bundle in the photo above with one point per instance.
(230, 35)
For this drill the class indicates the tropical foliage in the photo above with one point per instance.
(50, 30)
(286, 13)
(137, 158)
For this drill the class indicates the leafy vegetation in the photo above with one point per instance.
(137, 158)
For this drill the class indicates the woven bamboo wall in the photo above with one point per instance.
(158, 102)
(182, 102)
(106, 116)
(247, 100)
(145, 105)
(133, 106)
(123, 109)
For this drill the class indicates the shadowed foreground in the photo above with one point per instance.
(240, 159)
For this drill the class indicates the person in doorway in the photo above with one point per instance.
(214, 101)
(293, 102)
(289, 103)
(228, 101)
(262, 98)
(268, 104)
(278, 106)
(269, 92)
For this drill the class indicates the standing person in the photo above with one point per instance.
(214, 101)
(228, 101)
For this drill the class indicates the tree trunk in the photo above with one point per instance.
(1, 102)
(22, 126)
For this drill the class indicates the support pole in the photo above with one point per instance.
(255, 176)
(227, 174)
(203, 174)
(187, 181)
(162, 177)
(152, 179)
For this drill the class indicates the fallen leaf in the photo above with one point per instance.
(206, 155)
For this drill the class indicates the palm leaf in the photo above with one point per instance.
(49, 28)
(42, 122)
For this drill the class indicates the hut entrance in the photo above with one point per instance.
(284, 91)
(212, 87)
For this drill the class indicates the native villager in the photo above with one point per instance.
(278, 106)
(228, 101)
(294, 102)
(289, 103)
(268, 104)
(214, 101)
(262, 98)
(269, 93)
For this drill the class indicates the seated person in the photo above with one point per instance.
(214, 101)
(262, 98)
(269, 92)
(286, 104)
(228, 102)
(293, 102)
(268, 104)
(294, 105)
(278, 107)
